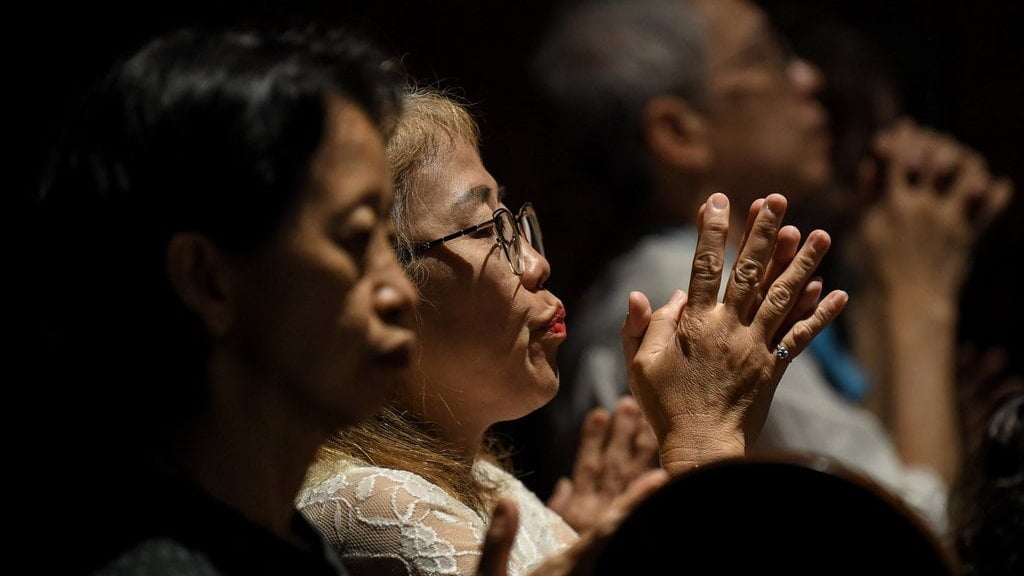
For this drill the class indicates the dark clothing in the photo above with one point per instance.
(172, 527)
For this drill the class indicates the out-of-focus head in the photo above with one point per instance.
(218, 213)
(489, 335)
(767, 130)
(988, 501)
(599, 66)
(676, 94)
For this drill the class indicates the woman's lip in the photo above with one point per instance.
(556, 325)
(557, 329)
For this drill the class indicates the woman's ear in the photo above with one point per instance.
(199, 274)
(675, 133)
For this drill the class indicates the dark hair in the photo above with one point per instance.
(988, 501)
(598, 65)
(212, 132)
(837, 521)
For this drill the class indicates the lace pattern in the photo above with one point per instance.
(380, 518)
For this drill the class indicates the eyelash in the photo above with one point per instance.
(483, 233)
(355, 242)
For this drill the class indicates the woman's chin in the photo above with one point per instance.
(541, 392)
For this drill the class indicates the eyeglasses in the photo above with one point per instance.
(508, 230)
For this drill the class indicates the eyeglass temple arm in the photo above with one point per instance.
(420, 248)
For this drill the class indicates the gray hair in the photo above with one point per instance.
(603, 60)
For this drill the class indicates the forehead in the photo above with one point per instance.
(734, 26)
(349, 167)
(451, 189)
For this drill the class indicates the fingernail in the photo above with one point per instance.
(774, 204)
(820, 241)
(676, 296)
(719, 201)
(840, 297)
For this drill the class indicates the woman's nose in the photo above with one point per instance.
(536, 269)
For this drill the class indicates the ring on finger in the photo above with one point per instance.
(782, 353)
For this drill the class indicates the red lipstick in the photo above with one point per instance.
(557, 324)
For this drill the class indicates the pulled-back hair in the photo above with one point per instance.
(433, 122)
(431, 125)
(598, 65)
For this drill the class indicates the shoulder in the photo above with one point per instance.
(383, 520)
(159, 557)
(360, 483)
(536, 519)
(363, 495)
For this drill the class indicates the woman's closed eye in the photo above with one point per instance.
(355, 233)
(485, 232)
(355, 242)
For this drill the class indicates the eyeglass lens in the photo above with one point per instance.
(531, 229)
(505, 228)
(508, 230)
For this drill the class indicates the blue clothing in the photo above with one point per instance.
(839, 368)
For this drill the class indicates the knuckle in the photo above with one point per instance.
(779, 295)
(589, 467)
(707, 266)
(971, 162)
(716, 227)
(802, 333)
(765, 228)
(807, 260)
(748, 272)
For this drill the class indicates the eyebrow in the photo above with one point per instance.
(761, 40)
(479, 194)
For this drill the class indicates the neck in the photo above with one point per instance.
(248, 450)
(464, 437)
(446, 415)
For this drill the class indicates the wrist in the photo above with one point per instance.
(924, 308)
(696, 440)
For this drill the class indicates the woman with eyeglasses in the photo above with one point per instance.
(412, 490)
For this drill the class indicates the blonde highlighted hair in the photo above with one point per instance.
(431, 125)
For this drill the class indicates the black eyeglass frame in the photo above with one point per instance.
(525, 213)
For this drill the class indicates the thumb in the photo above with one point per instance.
(561, 495)
(644, 327)
(501, 533)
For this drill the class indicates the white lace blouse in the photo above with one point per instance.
(383, 520)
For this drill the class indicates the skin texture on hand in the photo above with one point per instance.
(704, 371)
(615, 449)
(933, 198)
(579, 558)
